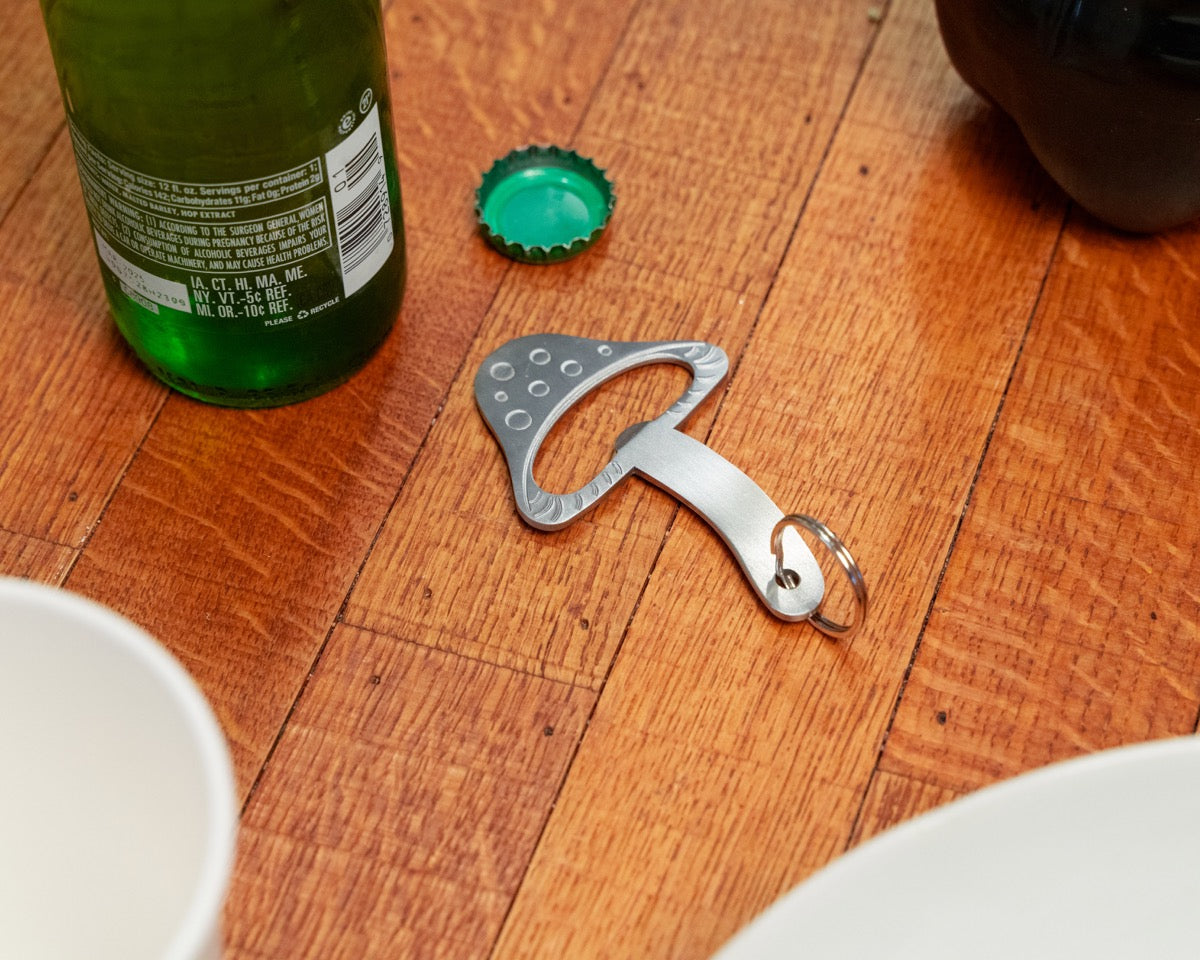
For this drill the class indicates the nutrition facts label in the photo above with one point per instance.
(183, 245)
(218, 228)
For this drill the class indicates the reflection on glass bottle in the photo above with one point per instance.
(239, 173)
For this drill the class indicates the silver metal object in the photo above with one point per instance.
(526, 386)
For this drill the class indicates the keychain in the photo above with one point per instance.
(525, 386)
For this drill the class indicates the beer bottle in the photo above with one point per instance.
(238, 169)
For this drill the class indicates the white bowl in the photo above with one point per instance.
(118, 812)
(1095, 858)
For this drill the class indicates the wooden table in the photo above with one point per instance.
(458, 737)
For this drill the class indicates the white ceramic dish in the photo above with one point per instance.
(117, 804)
(1096, 858)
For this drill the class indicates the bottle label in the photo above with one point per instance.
(361, 213)
(261, 249)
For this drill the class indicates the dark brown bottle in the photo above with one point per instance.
(1106, 92)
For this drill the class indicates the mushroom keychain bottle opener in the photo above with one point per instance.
(525, 386)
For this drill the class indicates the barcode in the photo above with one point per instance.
(364, 225)
(362, 213)
(361, 164)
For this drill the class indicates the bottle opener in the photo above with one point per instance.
(526, 386)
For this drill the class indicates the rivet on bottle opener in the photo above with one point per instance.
(526, 386)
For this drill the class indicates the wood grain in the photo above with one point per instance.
(216, 485)
(715, 220)
(33, 559)
(77, 404)
(727, 755)
(458, 737)
(29, 100)
(266, 516)
(1088, 493)
(473, 80)
(577, 592)
(893, 799)
(426, 780)
(553, 605)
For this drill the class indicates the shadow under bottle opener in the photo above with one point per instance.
(524, 388)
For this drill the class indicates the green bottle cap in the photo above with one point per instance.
(543, 204)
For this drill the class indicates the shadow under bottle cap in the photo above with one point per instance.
(543, 204)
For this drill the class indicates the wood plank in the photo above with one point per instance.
(401, 807)
(702, 221)
(76, 402)
(1068, 619)
(431, 595)
(472, 81)
(45, 241)
(314, 481)
(894, 799)
(458, 737)
(311, 481)
(76, 408)
(724, 737)
(33, 559)
(455, 563)
(30, 106)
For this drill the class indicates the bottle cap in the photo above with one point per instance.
(543, 204)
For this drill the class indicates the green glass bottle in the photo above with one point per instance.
(239, 173)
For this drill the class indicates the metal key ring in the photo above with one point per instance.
(843, 557)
